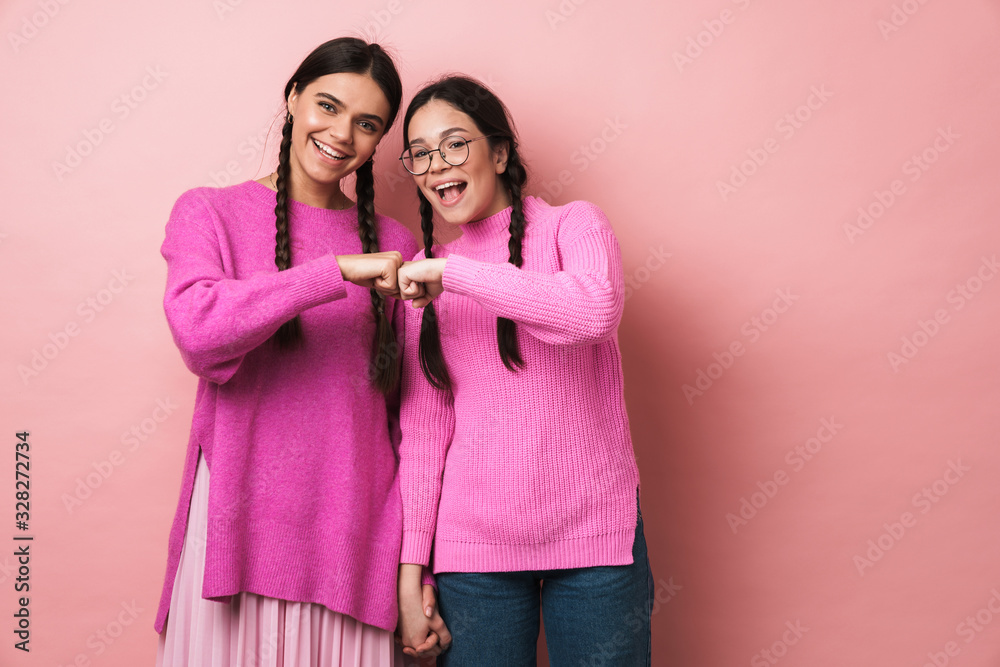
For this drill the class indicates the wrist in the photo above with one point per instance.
(341, 259)
(410, 575)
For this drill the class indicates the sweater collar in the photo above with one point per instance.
(487, 231)
(297, 208)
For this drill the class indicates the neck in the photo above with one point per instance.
(501, 201)
(319, 195)
(489, 230)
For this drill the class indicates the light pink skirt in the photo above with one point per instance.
(253, 630)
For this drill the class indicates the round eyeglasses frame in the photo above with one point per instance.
(441, 151)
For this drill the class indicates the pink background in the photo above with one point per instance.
(643, 108)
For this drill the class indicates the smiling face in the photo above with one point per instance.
(338, 121)
(471, 191)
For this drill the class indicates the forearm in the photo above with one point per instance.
(581, 304)
(427, 422)
(215, 321)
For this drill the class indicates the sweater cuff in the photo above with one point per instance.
(416, 547)
(459, 275)
(427, 578)
(317, 282)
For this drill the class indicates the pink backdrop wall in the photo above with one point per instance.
(806, 199)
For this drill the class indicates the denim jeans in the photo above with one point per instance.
(593, 615)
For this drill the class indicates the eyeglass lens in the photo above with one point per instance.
(454, 151)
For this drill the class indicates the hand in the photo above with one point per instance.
(374, 269)
(422, 630)
(435, 621)
(421, 280)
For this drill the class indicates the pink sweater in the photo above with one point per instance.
(530, 470)
(304, 502)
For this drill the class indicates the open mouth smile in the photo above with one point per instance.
(329, 152)
(450, 192)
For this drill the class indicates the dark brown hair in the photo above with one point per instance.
(492, 119)
(346, 54)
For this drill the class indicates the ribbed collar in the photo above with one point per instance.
(301, 211)
(488, 231)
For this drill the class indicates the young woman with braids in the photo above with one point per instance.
(282, 297)
(516, 462)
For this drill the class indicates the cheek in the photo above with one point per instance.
(300, 141)
(367, 143)
(487, 185)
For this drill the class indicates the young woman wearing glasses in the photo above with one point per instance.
(516, 462)
(284, 549)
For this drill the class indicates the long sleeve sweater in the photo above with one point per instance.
(533, 469)
(304, 501)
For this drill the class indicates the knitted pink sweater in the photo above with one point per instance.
(304, 502)
(530, 470)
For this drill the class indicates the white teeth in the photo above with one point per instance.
(329, 151)
(447, 185)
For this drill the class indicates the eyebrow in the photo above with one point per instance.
(368, 116)
(444, 133)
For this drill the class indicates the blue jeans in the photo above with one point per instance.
(593, 615)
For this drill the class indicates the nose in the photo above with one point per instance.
(442, 165)
(341, 130)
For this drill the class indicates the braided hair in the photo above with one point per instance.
(429, 351)
(492, 119)
(290, 333)
(345, 54)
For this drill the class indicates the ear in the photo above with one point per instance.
(293, 98)
(500, 157)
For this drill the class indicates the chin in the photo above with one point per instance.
(326, 175)
(457, 222)
(458, 217)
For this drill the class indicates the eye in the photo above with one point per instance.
(418, 153)
(327, 106)
(456, 143)
(370, 127)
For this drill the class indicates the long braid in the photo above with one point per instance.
(385, 352)
(354, 56)
(430, 354)
(492, 118)
(290, 333)
(513, 178)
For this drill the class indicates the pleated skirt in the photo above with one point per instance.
(254, 630)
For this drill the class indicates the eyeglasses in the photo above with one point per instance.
(454, 150)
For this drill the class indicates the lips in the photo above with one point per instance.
(328, 151)
(450, 191)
